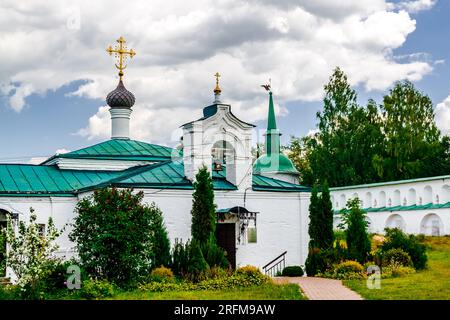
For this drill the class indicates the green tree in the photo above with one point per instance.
(31, 254)
(117, 237)
(412, 139)
(358, 242)
(161, 243)
(203, 208)
(349, 137)
(326, 221)
(314, 219)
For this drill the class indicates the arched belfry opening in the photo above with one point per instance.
(221, 142)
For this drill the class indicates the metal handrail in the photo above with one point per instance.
(277, 265)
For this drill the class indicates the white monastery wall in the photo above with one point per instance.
(418, 192)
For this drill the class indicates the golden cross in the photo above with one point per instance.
(217, 89)
(120, 52)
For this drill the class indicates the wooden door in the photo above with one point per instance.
(226, 239)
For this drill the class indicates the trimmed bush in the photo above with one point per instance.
(96, 289)
(347, 270)
(162, 274)
(349, 266)
(396, 256)
(397, 239)
(292, 271)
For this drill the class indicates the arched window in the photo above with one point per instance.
(431, 225)
(222, 153)
(427, 195)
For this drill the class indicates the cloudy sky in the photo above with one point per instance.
(55, 73)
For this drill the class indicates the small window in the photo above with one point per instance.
(251, 235)
(41, 230)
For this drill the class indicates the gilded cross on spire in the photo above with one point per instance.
(120, 53)
(217, 90)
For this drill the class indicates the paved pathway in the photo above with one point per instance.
(321, 288)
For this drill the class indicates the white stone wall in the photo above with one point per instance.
(282, 222)
(434, 190)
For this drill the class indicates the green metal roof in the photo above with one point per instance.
(44, 180)
(163, 175)
(427, 206)
(41, 180)
(121, 149)
(262, 183)
(387, 183)
(275, 162)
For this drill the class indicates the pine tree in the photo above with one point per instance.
(358, 242)
(326, 221)
(161, 243)
(314, 217)
(203, 208)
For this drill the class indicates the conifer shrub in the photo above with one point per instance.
(214, 255)
(292, 271)
(357, 237)
(197, 263)
(180, 258)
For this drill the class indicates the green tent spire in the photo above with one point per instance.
(274, 161)
(271, 121)
(272, 133)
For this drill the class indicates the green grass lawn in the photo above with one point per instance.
(264, 292)
(430, 284)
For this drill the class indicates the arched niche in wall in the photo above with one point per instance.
(396, 198)
(432, 225)
(427, 195)
(395, 221)
(382, 199)
(445, 194)
(412, 198)
(368, 200)
(343, 201)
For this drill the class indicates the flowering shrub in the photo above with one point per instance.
(243, 277)
(347, 270)
(95, 289)
(31, 255)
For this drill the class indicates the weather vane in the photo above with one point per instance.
(120, 53)
(268, 87)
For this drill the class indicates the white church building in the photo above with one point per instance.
(262, 210)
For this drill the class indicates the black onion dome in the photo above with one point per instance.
(120, 97)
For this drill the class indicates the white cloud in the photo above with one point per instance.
(179, 47)
(442, 116)
(415, 6)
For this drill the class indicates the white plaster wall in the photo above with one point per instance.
(436, 188)
(282, 222)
